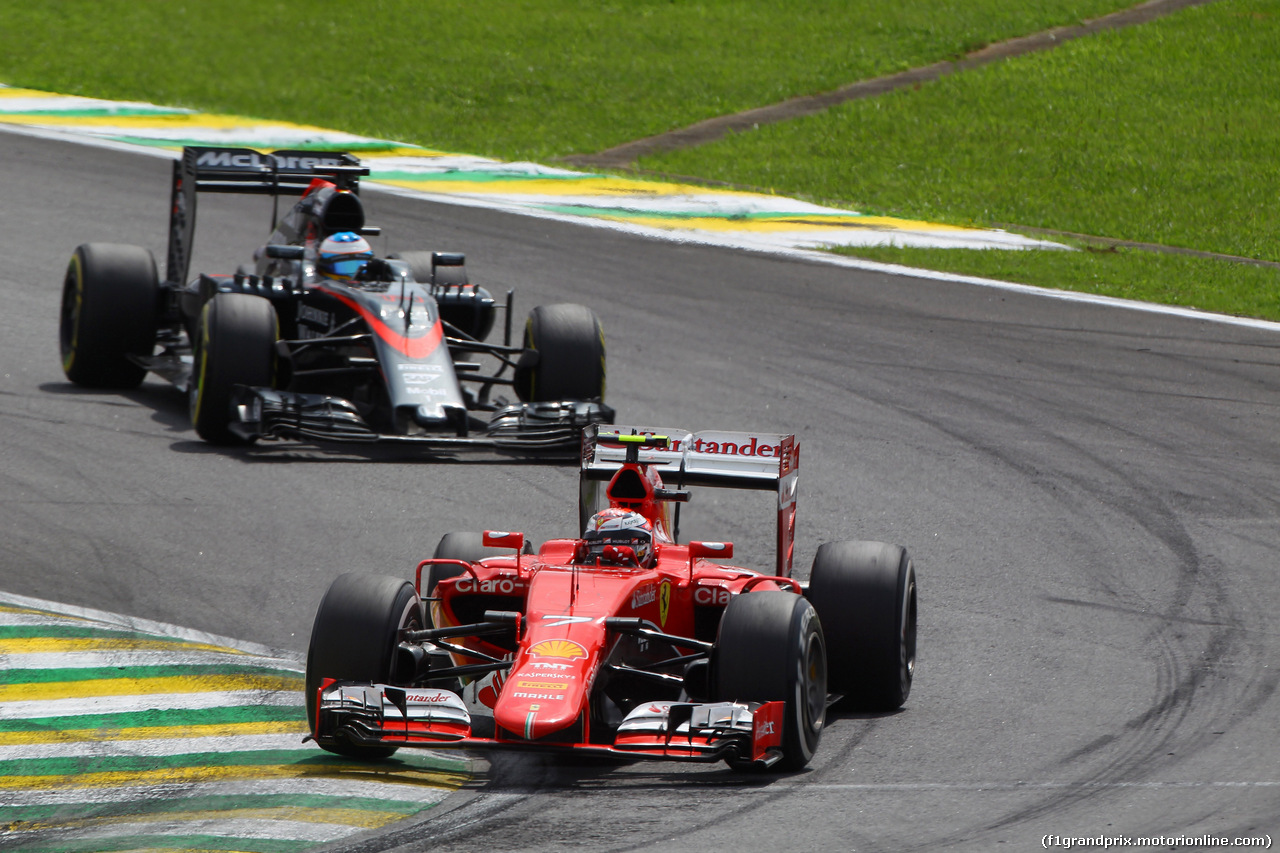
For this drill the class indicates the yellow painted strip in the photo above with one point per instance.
(594, 185)
(172, 775)
(130, 686)
(52, 617)
(772, 225)
(31, 645)
(28, 93)
(358, 818)
(152, 732)
(163, 120)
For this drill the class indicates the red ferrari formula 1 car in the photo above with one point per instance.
(622, 641)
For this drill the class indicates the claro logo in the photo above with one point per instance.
(498, 586)
(708, 596)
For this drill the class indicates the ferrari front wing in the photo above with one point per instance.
(382, 715)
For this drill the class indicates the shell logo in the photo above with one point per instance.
(558, 649)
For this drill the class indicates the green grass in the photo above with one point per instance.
(1164, 133)
(516, 79)
(1191, 282)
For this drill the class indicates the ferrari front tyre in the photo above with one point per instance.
(865, 594)
(235, 345)
(354, 638)
(564, 355)
(110, 303)
(770, 648)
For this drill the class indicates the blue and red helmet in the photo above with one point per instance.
(342, 255)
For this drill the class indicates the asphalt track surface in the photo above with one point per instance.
(1089, 493)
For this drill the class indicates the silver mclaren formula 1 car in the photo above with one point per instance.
(320, 340)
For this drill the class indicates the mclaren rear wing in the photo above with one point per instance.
(736, 460)
(243, 170)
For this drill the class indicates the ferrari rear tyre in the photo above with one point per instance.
(565, 355)
(467, 546)
(770, 648)
(110, 303)
(354, 638)
(865, 594)
(235, 345)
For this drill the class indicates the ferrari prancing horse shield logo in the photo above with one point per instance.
(664, 602)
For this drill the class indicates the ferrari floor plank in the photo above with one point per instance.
(118, 735)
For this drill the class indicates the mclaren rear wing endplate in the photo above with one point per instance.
(735, 460)
(243, 170)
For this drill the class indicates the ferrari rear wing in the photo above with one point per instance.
(243, 170)
(736, 460)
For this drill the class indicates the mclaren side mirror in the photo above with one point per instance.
(286, 253)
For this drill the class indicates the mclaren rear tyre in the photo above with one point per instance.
(235, 345)
(865, 594)
(770, 648)
(110, 303)
(564, 355)
(354, 638)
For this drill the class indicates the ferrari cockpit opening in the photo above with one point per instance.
(617, 537)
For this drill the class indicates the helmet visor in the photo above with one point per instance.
(343, 267)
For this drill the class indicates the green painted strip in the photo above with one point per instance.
(158, 843)
(157, 717)
(135, 673)
(112, 112)
(138, 763)
(24, 632)
(679, 215)
(302, 757)
(14, 816)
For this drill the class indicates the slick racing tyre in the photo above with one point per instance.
(770, 648)
(466, 546)
(110, 302)
(235, 345)
(564, 355)
(865, 594)
(354, 638)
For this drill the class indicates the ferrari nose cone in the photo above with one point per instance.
(544, 695)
